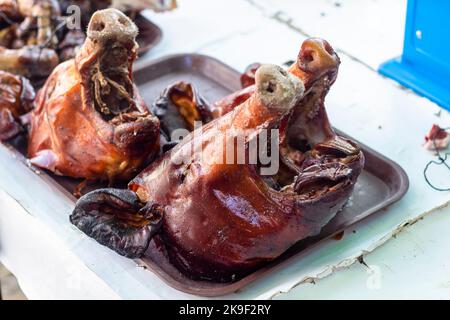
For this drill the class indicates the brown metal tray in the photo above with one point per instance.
(382, 182)
(149, 34)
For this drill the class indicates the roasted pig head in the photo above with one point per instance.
(89, 120)
(210, 208)
(16, 98)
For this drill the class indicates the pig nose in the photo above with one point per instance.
(111, 25)
(317, 55)
(277, 88)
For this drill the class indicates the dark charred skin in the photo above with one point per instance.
(118, 220)
(223, 221)
(16, 98)
(179, 107)
(90, 121)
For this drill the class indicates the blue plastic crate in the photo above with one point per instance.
(425, 63)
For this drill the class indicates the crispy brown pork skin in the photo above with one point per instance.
(16, 98)
(89, 121)
(220, 221)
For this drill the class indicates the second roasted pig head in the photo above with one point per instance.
(90, 121)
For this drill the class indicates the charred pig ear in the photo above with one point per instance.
(321, 178)
(179, 107)
(338, 147)
(117, 219)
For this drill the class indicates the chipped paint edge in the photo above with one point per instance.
(346, 263)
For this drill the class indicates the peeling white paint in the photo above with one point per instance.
(358, 258)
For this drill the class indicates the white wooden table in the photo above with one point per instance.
(52, 259)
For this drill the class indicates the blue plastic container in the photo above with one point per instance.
(425, 63)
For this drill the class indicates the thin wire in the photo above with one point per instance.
(442, 160)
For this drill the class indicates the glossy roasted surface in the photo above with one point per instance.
(222, 221)
(90, 121)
